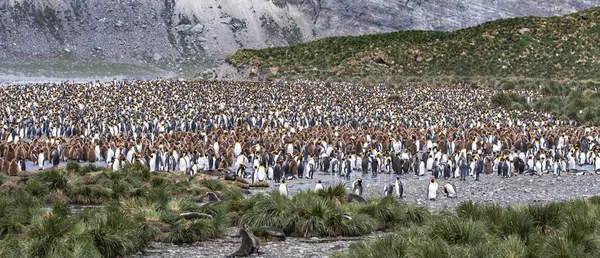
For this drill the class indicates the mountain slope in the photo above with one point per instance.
(182, 34)
(553, 47)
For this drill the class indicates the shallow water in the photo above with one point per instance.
(24, 72)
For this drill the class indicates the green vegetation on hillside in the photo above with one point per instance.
(563, 47)
(581, 106)
(567, 229)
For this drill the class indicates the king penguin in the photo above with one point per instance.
(432, 190)
(449, 190)
(261, 174)
(319, 186)
(283, 188)
(388, 189)
(357, 187)
(399, 188)
(41, 160)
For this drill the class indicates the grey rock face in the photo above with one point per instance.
(203, 33)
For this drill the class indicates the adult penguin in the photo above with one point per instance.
(505, 169)
(365, 165)
(310, 168)
(41, 160)
(464, 170)
(22, 165)
(116, 164)
(237, 149)
(374, 165)
(270, 173)
(348, 168)
(277, 172)
(421, 168)
(399, 188)
(447, 171)
(432, 190)
(436, 171)
(241, 171)
(55, 156)
(194, 170)
(301, 167)
(449, 190)
(319, 186)
(388, 189)
(597, 163)
(430, 162)
(326, 160)
(357, 187)
(261, 174)
(478, 168)
(283, 188)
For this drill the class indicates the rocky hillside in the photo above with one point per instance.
(170, 33)
(564, 47)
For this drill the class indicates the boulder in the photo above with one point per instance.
(195, 215)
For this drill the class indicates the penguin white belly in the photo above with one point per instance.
(318, 187)
(97, 151)
(290, 149)
(283, 190)
(41, 161)
(530, 163)
(270, 173)
(422, 169)
(597, 166)
(130, 157)
(110, 154)
(262, 174)
(457, 172)
(572, 163)
(152, 164)
(432, 191)
(397, 189)
(182, 165)
(450, 190)
(404, 156)
(216, 148)
(256, 163)
(429, 164)
(237, 150)
(201, 164)
(240, 160)
(116, 165)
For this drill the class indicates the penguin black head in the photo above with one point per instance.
(319, 181)
(283, 181)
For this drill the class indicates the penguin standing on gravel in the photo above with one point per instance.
(357, 187)
(55, 156)
(388, 189)
(399, 188)
(41, 160)
(283, 188)
(450, 190)
(319, 186)
(432, 190)
(22, 165)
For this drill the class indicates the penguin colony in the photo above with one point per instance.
(287, 130)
